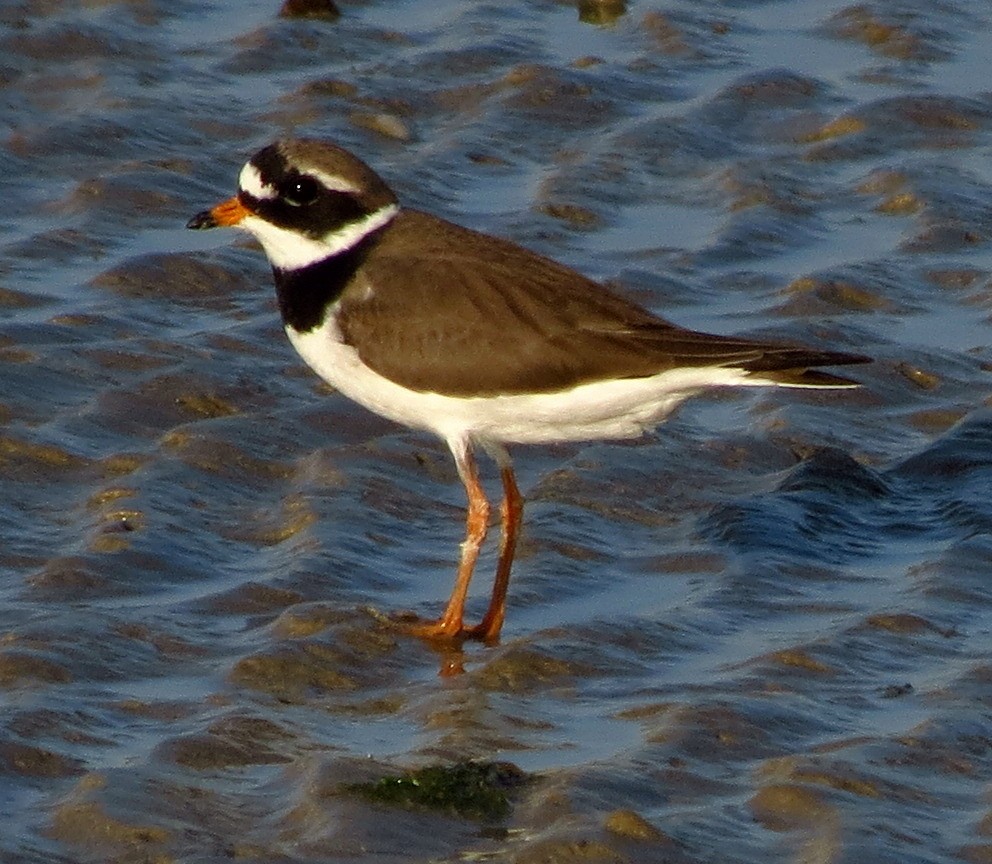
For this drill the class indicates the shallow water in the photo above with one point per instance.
(761, 634)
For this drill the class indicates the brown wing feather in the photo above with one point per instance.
(456, 312)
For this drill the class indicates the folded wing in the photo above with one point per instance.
(464, 324)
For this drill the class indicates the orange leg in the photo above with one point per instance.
(451, 624)
(511, 514)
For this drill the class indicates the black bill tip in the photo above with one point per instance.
(202, 220)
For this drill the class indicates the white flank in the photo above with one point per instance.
(288, 250)
(250, 181)
(623, 408)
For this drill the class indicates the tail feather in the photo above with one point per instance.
(806, 378)
(794, 367)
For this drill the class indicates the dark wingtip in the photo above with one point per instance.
(796, 367)
(815, 378)
(847, 359)
(202, 220)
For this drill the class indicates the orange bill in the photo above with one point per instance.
(229, 212)
(224, 215)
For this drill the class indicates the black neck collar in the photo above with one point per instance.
(306, 293)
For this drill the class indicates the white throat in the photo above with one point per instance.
(287, 250)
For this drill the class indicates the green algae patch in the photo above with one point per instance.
(472, 790)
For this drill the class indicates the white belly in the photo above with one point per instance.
(607, 409)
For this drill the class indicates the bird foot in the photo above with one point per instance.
(439, 630)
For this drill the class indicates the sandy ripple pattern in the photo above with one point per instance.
(761, 634)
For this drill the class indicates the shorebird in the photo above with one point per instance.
(476, 339)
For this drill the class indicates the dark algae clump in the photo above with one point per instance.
(472, 790)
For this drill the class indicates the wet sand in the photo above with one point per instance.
(760, 634)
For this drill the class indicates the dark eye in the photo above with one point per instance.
(300, 191)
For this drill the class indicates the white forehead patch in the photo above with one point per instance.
(250, 181)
